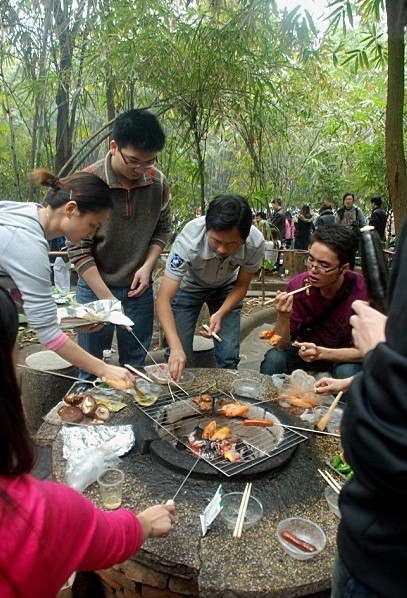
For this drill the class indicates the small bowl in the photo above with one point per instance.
(247, 388)
(306, 530)
(231, 505)
(160, 374)
(332, 500)
(150, 391)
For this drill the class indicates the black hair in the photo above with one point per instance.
(343, 241)
(377, 200)
(139, 129)
(278, 201)
(288, 215)
(229, 211)
(305, 211)
(347, 195)
(261, 214)
(90, 192)
(16, 448)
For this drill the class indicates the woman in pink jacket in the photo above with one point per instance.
(47, 530)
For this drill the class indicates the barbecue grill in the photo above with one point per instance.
(176, 416)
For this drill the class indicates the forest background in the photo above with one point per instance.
(254, 98)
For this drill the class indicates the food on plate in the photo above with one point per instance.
(209, 430)
(258, 422)
(102, 412)
(88, 405)
(117, 383)
(73, 399)
(71, 414)
(204, 402)
(266, 333)
(274, 340)
(221, 434)
(297, 542)
(234, 410)
(271, 336)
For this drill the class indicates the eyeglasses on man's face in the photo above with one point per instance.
(135, 162)
(311, 263)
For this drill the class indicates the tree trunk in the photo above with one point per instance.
(395, 159)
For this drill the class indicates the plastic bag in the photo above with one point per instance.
(62, 275)
(83, 468)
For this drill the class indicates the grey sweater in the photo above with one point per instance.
(24, 257)
(141, 216)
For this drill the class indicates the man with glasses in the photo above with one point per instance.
(118, 262)
(314, 324)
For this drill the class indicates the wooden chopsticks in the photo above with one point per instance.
(307, 286)
(237, 532)
(213, 333)
(330, 480)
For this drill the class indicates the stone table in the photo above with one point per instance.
(218, 565)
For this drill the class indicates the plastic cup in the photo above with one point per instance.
(111, 488)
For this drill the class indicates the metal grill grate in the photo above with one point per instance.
(177, 416)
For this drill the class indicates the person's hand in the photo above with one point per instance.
(368, 327)
(117, 377)
(140, 282)
(283, 303)
(214, 327)
(176, 364)
(95, 327)
(309, 352)
(331, 386)
(157, 521)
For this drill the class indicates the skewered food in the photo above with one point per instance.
(234, 410)
(258, 422)
(221, 434)
(204, 402)
(266, 333)
(116, 383)
(209, 430)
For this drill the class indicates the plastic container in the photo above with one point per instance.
(150, 393)
(231, 504)
(332, 500)
(107, 356)
(246, 387)
(306, 530)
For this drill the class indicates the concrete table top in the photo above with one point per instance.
(254, 565)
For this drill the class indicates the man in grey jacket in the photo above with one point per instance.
(118, 262)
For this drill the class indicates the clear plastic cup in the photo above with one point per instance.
(111, 488)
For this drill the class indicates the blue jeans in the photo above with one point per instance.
(186, 307)
(344, 585)
(139, 309)
(285, 362)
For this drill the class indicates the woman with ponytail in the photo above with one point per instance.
(75, 207)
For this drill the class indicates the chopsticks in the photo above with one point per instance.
(330, 480)
(237, 532)
(212, 333)
(307, 286)
(137, 372)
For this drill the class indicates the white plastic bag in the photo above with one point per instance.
(84, 469)
(62, 275)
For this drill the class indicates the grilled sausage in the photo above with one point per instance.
(297, 542)
(258, 422)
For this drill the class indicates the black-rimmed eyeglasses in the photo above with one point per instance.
(135, 162)
(310, 263)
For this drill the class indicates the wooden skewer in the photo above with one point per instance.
(213, 333)
(237, 532)
(336, 487)
(307, 286)
(321, 425)
(132, 369)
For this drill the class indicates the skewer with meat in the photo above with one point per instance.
(204, 402)
(234, 410)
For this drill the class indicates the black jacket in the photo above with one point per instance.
(378, 219)
(372, 537)
(325, 217)
(279, 221)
